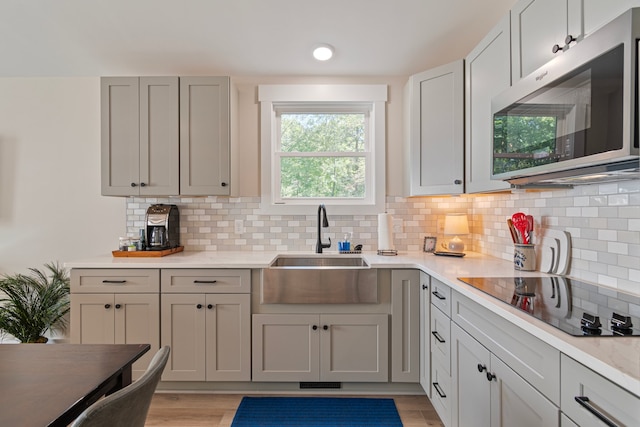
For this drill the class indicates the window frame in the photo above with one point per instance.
(275, 99)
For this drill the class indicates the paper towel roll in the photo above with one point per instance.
(385, 232)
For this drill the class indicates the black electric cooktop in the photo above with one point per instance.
(573, 306)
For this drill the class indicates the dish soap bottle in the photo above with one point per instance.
(345, 245)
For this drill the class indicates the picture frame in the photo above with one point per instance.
(429, 244)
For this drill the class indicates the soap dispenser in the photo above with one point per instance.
(345, 245)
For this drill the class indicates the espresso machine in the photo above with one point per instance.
(162, 227)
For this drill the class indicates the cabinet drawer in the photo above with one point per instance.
(115, 280)
(441, 338)
(533, 359)
(206, 281)
(441, 392)
(596, 394)
(441, 296)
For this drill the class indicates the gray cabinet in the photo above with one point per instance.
(139, 125)
(116, 307)
(486, 392)
(584, 394)
(434, 106)
(326, 347)
(164, 136)
(487, 73)
(439, 333)
(538, 25)
(596, 13)
(425, 333)
(405, 326)
(205, 136)
(206, 317)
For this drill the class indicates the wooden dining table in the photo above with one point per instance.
(51, 384)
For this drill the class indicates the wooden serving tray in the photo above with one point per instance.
(148, 253)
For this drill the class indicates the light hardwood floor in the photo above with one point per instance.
(217, 410)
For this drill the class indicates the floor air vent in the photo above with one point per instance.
(320, 385)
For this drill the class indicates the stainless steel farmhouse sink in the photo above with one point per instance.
(321, 279)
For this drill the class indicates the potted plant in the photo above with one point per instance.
(34, 304)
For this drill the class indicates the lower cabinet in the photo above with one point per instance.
(320, 347)
(486, 392)
(209, 335)
(590, 399)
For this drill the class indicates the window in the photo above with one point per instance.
(323, 144)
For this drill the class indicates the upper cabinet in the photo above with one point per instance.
(596, 13)
(434, 106)
(139, 136)
(164, 136)
(487, 73)
(537, 26)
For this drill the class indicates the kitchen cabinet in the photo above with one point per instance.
(434, 107)
(320, 347)
(205, 136)
(439, 334)
(405, 326)
(207, 327)
(425, 333)
(585, 393)
(116, 306)
(164, 136)
(596, 13)
(486, 392)
(139, 125)
(487, 73)
(536, 27)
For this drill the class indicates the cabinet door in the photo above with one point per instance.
(137, 321)
(92, 319)
(536, 26)
(183, 328)
(405, 326)
(159, 139)
(285, 347)
(471, 398)
(228, 337)
(436, 131)
(514, 402)
(597, 12)
(354, 347)
(204, 136)
(120, 145)
(425, 333)
(487, 73)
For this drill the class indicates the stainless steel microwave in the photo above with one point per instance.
(575, 119)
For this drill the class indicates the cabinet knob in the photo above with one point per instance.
(133, 184)
(481, 367)
(142, 184)
(107, 306)
(118, 306)
(314, 327)
(425, 287)
(199, 306)
(556, 48)
(224, 184)
(569, 39)
(457, 182)
(490, 376)
(209, 306)
(325, 327)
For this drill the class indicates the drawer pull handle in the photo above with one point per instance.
(437, 295)
(205, 281)
(114, 281)
(438, 337)
(439, 390)
(586, 404)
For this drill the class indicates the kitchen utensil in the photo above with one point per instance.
(521, 224)
(512, 230)
(530, 228)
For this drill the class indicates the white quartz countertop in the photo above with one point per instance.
(617, 359)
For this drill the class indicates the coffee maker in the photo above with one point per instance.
(162, 227)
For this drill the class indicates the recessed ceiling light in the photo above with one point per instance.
(323, 52)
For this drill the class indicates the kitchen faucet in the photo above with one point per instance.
(319, 245)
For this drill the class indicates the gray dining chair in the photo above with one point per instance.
(129, 406)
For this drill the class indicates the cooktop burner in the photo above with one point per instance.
(573, 306)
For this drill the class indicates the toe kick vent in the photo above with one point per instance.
(306, 385)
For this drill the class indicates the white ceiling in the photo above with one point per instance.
(238, 37)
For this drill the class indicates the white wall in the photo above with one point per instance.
(50, 203)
